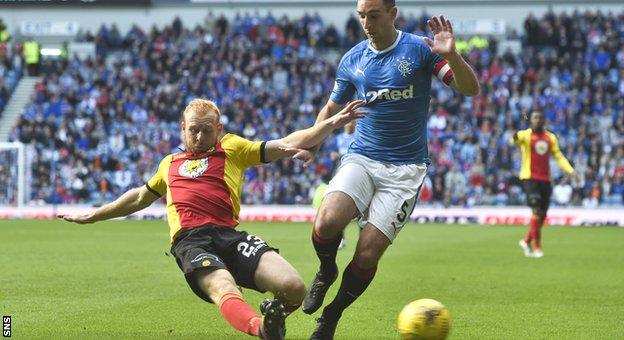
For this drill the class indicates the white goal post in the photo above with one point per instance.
(13, 174)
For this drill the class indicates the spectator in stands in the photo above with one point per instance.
(455, 184)
(562, 192)
(5, 36)
(32, 56)
(241, 62)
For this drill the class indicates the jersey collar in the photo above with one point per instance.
(389, 48)
(187, 155)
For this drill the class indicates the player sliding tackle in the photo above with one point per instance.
(203, 187)
(380, 177)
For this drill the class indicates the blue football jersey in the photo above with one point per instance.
(396, 85)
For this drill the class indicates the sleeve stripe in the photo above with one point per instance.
(444, 70)
(439, 66)
(262, 153)
(152, 190)
(448, 77)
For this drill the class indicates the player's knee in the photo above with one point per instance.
(533, 201)
(366, 259)
(539, 212)
(293, 288)
(327, 223)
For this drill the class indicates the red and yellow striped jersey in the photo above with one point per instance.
(536, 149)
(205, 188)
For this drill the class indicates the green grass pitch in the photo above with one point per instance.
(113, 280)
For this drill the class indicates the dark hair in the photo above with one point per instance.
(389, 3)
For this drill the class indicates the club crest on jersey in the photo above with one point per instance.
(193, 168)
(405, 67)
(541, 147)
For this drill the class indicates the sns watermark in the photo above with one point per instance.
(6, 326)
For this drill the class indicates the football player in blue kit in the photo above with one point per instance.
(380, 177)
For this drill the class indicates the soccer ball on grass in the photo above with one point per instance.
(424, 319)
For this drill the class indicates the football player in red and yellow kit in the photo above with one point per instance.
(537, 145)
(203, 186)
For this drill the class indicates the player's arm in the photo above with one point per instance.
(329, 110)
(515, 138)
(130, 202)
(297, 143)
(562, 161)
(464, 79)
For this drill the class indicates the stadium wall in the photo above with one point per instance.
(275, 213)
(335, 12)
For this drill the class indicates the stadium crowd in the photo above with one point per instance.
(10, 65)
(10, 73)
(101, 125)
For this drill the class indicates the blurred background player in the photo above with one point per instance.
(380, 177)
(203, 185)
(537, 145)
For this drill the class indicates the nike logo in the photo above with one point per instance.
(358, 70)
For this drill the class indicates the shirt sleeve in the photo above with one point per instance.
(343, 90)
(157, 184)
(522, 136)
(563, 162)
(243, 152)
(438, 66)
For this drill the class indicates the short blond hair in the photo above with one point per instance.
(202, 107)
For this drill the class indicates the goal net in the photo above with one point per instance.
(13, 174)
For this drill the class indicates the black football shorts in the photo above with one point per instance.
(537, 193)
(216, 247)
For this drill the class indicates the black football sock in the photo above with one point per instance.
(354, 282)
(326, 250)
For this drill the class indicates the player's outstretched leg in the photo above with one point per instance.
(208, 277)
(276, 275)
(239, 314)
(219, 286)
(337, 210)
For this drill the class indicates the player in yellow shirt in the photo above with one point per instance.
(203, 185)
(537, 145)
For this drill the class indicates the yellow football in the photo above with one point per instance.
(424, 319)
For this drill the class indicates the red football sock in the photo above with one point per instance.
(533, 223)
(239, 314)
(537, 234)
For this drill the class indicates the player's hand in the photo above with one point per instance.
(576, 178)
(348, 114)
(443, 42)
(80, 219)
(304, 155)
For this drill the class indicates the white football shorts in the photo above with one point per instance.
(385, 194)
